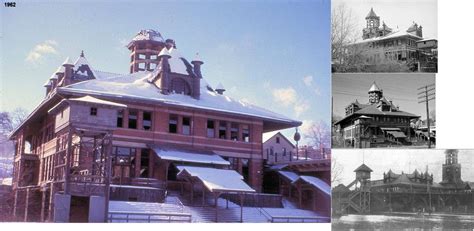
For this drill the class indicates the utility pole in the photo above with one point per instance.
(426, 94)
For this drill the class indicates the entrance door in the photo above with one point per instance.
(79, 211)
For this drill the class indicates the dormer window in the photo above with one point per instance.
(93, 111)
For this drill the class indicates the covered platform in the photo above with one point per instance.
(216, 182)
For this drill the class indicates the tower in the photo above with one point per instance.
(373, 24)
(451, 168)
(375, 94)
(145, 48)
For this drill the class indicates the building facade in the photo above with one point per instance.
(377, 123)
(406, 192)
(382, 45)
(95, 130)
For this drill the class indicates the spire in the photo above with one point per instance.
(374, 88)
(371, 14)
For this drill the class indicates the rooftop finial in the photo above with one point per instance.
(82, 53)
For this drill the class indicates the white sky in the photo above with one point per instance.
(401, 88)
(406, 160)
(395, 13)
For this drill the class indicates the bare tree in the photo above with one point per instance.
(319, 135)
(343, 33)
(336, 171)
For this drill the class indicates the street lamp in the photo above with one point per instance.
(297, 138)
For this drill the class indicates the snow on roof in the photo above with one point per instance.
(318, 183)
(217, 180)
(176, 64)
(90, 99)
(164, 51)
(393, 34)
(289, 175)
(67, 61)
(105, 75)
(60, 69)
(220, 86)
(183, 156)
(48, 83)
(7, 181)
(136, 86)
(83, 61)
(148, 34)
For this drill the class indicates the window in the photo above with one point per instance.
(93, 111)
(210, 129)
(222, 129)
(146, 120)
(141, 56)
(120, 119)
(278, 140)
(245, 133)
(234, 131)
(132, 119)
(141, 66)
(123, 155)
(186, 126)
(173, 124)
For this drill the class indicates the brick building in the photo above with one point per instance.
(381, 44)
(97, 131)
(377, 123)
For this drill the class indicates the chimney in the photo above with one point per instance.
(220, 89)
(164, 57)
(170, 44)
(197, 79)
(68, 66)
(197, 65)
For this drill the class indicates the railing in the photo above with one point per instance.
(292, 219)
(150, 182)
(148, 217)
(256, 199)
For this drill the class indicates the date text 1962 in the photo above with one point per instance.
(10, 4)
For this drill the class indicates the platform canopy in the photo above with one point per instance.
(397, 134)
(316, 182)
(189, 156)
(289, 175)
(216, 180)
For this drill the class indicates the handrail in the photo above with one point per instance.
(149, 216)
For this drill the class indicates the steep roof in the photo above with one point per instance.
(372, 110)
(371, 14)
(363, 168)
(374, 87)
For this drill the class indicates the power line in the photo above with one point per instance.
(426, 94)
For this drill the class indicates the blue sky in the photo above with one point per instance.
(274, 54)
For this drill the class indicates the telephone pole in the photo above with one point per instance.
(426, 94)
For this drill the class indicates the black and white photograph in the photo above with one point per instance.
(383, 110)
(403, 189)
(384, 36)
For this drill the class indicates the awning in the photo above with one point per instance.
(216, 180)
(289, 175)
(397, 134)
(190, 157)
(318, 183)
(390, 129)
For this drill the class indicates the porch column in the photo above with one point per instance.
(43, 200)
(25, 219)
(241, 207)
(15, 202)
